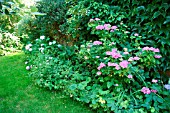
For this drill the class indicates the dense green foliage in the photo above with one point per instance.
(9, 41)
(148, 18)
(107, 53)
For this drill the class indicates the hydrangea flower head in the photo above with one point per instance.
(117, 67)
(97, 19)
(114, 27)
(101, 66)
(136, 34)
(156, 50)
(130, 76)
(157, 56)
(154, 81)
(107, 26)
(124, 64)
(28, 68)
(167, 86)
(146, 90)
(145, 48)
(97, 43)
(112, 64)
(27, 47)
(154, 91)
(99, 73)
(42, 37)
(99, 27)
(136, 58)
(125, 53)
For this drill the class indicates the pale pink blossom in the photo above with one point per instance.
(97, 19)
(117, 67)
(146, 90)
(124, 64)
(136, 34)
(111, 64)
(113, 43)
(136, 58)
(101, 66)
(107, 26)
(108, 53)
(156, 50)
(99, 27)
(97, 43)
(111, 30)
(154, 91)
(157, 56)
(130, 76)
(114, 27)
(154, 80)
(116, 55)
(130, 59)
(99, 73)
(125, 53)
(152, 48)
(145, 48)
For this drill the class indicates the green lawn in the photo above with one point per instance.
(18, 94)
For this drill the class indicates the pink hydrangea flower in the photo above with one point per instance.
(97, 43)
(130, 76)
(117, 67)
(136, 34)
(156, 50)
(101, 66)
(152, 48)
(154, 91)
(136, 58)
(111, 30)
(116, 55)
(146, 90)
(157, 56)
(130, 59)
(108, 53)
(97, 19)
(111, 64)
(145, 48)
(113, 53)
(107, 26)
(124, 64)
(125, 53)
(114, 27)
(99, 27)
(154, 81)
(99, 73)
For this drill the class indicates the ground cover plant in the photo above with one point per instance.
(18, 93)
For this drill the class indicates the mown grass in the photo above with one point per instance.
(18, 94)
